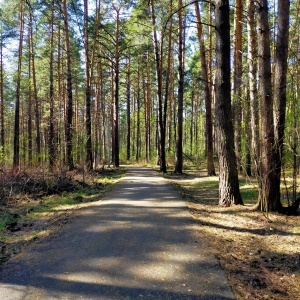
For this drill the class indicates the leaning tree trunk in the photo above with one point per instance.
(229, 191)
(270, 198)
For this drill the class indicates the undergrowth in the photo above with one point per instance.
(31, 201)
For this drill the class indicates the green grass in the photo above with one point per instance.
(249, 195)
(296, 230)
(249, 191)
(210, 183)
(111, 174)
(7, 218)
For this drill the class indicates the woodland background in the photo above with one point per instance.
(85, 84)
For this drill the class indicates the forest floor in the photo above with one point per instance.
(260, 253)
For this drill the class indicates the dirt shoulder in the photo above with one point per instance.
(260, 254)
(33, 206)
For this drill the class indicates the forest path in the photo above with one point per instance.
(139, 242)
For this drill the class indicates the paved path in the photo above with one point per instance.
(138, 243)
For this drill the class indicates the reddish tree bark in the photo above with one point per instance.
(229, 192)
(207, 91)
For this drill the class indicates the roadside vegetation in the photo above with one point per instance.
(260, 252)
(33, 204)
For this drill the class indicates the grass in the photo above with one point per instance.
(211, 182)
(7, 217)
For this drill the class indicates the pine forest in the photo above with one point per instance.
(96, 83)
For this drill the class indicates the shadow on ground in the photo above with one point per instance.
(138, 243)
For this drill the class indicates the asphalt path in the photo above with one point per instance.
(139, 242)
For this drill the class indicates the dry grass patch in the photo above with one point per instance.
(260, 254)
(33, 205)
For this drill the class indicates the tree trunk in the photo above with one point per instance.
(161, 129)
(69, 133)
(61, 100)
(229, 192)
(128, 88)
(237, 80)
(270, 199)
(280, 82)
(35, 98)
(179, 156)
(116, 161)
(97, 126)
(208, 100)
(88, 125)
(16, 158)
(51, 140)
(254, 103)
(111, 131)
(192, 121)
(138, 115)
(97, 81)
(148, 110)
(168, 79)
(247, 123)
(146, 114)
(29, 108)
